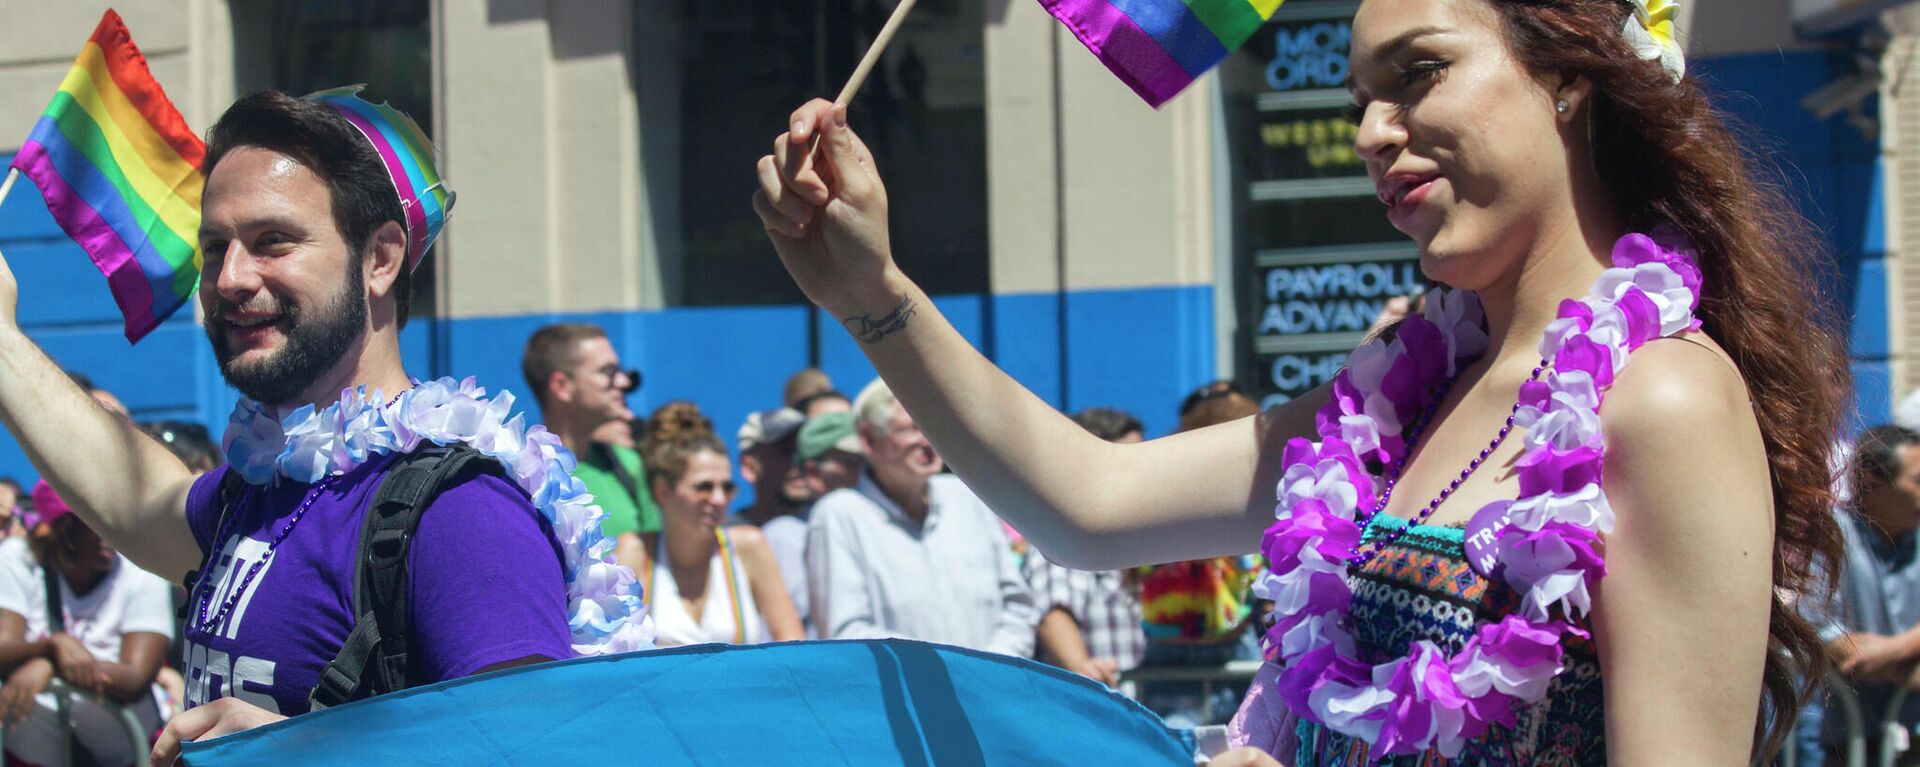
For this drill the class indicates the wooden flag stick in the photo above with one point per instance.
(865, 68)
(13, 174)
(878, 47)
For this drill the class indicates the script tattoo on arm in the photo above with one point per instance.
(872, 330)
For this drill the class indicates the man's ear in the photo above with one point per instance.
(560, 387)
(750, 467)
(386, 257)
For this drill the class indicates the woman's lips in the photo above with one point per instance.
(1409, 202)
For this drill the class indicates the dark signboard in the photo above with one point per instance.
(1316, 260)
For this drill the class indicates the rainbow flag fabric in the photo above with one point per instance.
(1159, 47)
(1199, 602)
(120, 172)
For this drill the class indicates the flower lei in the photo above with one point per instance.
(604, 608)
(1548, 550)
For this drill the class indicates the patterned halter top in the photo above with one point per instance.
(1421, 587)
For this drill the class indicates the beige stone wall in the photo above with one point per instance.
(541, 136)
(1727, 27)
(1137, 208)
(1900, 125)
(187, 44)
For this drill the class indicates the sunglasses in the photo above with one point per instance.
(174, 432)
(1210, 392)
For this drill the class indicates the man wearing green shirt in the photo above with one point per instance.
(575, 373)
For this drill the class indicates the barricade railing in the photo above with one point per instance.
(1841, 697)
(1206, 675)
(63, 695)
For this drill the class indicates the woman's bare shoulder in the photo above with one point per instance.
(1671, 385)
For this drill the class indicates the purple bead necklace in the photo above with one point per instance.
(1371, 549)
(211, 623)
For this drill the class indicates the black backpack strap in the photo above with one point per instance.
(375, 658)
(225, 498)
(603, 451)
(56, 616)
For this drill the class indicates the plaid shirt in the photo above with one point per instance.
(1103, 603)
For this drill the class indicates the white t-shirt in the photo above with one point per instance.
(129, 599)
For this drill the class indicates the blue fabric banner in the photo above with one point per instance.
(880, 702)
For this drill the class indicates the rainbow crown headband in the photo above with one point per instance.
(404, 149)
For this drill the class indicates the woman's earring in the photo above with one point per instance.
(1562, 106)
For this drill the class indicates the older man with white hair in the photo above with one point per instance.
(910, 552)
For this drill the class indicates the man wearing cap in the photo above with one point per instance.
(781, 494)
(575, 373)
(766, 461)
(314, 215)
(829, 452)
(827, 455)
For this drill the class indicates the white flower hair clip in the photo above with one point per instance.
(1652, 33)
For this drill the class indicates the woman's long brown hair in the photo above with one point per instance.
(1669, 157)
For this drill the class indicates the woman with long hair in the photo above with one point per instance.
(706, 581)
(1472, 558)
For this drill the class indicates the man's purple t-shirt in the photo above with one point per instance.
(486, 585)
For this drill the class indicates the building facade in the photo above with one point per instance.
(1102, 252)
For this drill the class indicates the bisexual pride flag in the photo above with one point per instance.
(120, 171)
(1159, 47)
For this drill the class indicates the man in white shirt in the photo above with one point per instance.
(912, 553)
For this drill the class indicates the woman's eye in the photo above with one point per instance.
(1420, 71)
(1354, 113)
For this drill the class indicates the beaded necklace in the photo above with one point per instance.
(204, 586)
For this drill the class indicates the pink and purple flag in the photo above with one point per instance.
(1159, 47)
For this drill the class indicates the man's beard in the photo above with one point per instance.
(313, 344)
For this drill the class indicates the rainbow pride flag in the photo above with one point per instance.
(1159, 47)
(121, 174)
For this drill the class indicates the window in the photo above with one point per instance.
(739, 69)
(1315, 260)
(302, 46)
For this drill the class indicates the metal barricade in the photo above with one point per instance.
(1841, 697)
(1207, 676)
(63, 695)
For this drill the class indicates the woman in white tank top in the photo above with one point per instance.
(705, 582)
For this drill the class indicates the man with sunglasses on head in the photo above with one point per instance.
(576, 375)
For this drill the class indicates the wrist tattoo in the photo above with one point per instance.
(871, 330)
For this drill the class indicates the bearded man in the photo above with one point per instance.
(315, 214)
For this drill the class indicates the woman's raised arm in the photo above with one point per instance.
(1086, 502)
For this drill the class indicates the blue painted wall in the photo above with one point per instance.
(1836, 175)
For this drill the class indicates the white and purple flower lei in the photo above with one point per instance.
(1549, 551)
(604, 608)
